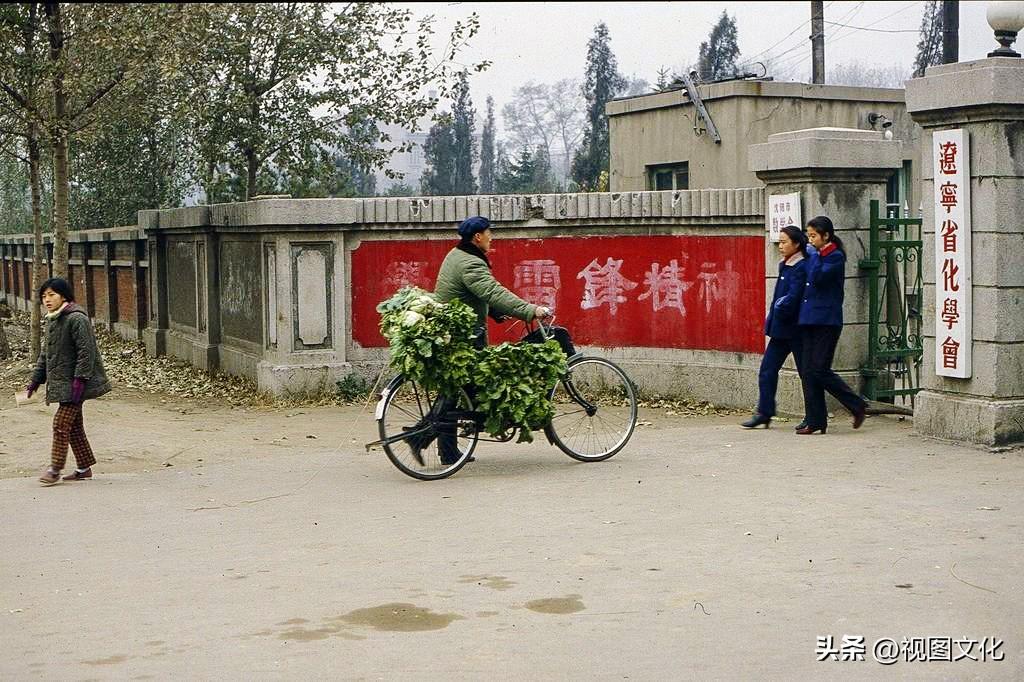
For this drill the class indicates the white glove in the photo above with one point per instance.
(543, 313)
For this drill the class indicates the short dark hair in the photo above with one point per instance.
(59, 285)
(797, 236)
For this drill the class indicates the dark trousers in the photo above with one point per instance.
(768, 377)
(447, 435)
(819, 347)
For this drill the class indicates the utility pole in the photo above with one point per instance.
(950, 31)
(817, 42)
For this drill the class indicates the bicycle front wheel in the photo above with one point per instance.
(594, 410)
(441, 435)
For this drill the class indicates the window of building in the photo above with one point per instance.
(669, 176)
(898, 194)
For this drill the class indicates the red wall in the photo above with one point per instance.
(712, 298)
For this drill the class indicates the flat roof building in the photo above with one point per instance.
(659, 142)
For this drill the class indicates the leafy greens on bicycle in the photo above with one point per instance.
(432, 344)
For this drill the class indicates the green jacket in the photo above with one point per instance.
(70, 352)
(466, 275)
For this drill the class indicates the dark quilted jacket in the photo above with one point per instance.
(70, 352)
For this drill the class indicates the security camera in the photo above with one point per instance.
(874, 119)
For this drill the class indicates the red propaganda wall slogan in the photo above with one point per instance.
(652, 292)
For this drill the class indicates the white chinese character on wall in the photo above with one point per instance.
(604, 285)
(665, 286)
(719, 287)
(537, 281)
(405, 273)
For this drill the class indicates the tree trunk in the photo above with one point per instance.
(5, 347)
(37, 233)
(61, 188)
(35, 341)
(250, 163)
(59, 131)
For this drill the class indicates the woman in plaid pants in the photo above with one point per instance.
(72, 369)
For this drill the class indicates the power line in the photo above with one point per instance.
(849, 33)
(772, 57)
(874, 30)
(785, 38)
(797, 59)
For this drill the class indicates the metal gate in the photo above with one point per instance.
(893, 267)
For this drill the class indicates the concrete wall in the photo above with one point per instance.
(283, 290)
(108, 271)
(659, 128)
(290, 285)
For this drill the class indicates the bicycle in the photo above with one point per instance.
(595, 414)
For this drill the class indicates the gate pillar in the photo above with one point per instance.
(985, 98)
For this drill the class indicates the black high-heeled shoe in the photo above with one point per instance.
(801, 425)
(757, 420)
(810, 430)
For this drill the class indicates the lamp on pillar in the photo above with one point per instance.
(1006, 19)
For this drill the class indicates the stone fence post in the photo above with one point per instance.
(985, 98)
(837, 172)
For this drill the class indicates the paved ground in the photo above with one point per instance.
(703, 551)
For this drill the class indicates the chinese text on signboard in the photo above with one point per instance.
(783, 210)
(952, 254)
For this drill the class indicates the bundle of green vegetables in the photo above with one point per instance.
(432, 344)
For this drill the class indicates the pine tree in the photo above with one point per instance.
(463, 126)
(602, 83)
(542, 180)
(929, 47)
(718, 54)
(439, 151)
(487, 160)
(663, 79)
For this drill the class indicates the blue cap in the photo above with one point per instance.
(470, 226)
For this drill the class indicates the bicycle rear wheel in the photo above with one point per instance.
(447, 436)
(595, 410)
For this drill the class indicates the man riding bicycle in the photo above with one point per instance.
(466, 275)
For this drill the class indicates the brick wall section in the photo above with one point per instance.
(103, 270)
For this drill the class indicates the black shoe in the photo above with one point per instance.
(418, 441)
(801, 425)
(757, 420)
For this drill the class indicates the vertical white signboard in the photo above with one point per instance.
(783, 210)
(953, 332)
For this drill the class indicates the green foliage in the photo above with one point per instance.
(400, 189)
(513, 381)
(353, 387)
(15, 203)
(603, 83)
(718, 54)
(283, 81)
(431, 343)
(529, 173)
(438, 177)
(463, 126)
(487, 160)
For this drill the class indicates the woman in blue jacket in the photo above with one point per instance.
(821, 323)
(781, 324)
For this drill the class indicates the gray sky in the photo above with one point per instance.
(546, 41)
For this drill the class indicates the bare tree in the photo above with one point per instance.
(548, 116)
(867, 75)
